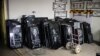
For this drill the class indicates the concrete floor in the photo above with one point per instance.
(7, 52)
(87, 50)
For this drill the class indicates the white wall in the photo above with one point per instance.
(43, 8)
(83, 18)
(96, 28)
(95, 25)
